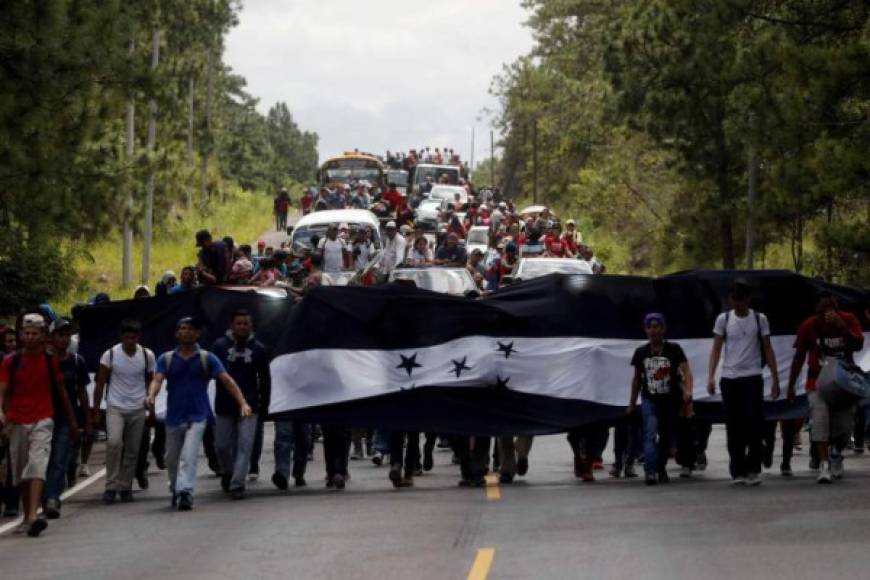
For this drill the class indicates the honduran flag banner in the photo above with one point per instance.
(543, 356)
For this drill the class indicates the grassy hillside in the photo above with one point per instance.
(242, 215)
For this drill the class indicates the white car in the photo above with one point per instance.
(319, 221)
(449, 192)
(478, 239)
(452, 281)
(529, 268)
(429, 210)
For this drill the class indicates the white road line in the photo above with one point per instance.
(68, 493)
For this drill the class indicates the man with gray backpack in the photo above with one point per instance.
(124, 373)
(187, 371)
(823, 340)
(745, 335)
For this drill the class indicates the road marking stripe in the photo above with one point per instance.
(482, 564)
(68, 493)
(492, 489)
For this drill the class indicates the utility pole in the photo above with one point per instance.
(190, 90)
(471, 156)
(127, 255)
(535, 162)
(152, 142)
(206, 145)
(491, 159)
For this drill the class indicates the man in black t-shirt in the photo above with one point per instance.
(663, 377)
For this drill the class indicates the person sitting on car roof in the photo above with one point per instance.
(451, 253)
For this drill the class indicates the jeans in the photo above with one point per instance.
(124, 436)
(182, 454)
(509, 451)
(627, 440)
(743, 400)
(659, 423)
(258, 445)
(234, 440)
(412, 451)
(336, 440)
(58, 461)
(381, 441)
(291, 438)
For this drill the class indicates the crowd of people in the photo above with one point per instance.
(410, 239)
(50, 419)
(48, 416)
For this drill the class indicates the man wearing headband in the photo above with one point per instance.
(663, 377)
(30, 382)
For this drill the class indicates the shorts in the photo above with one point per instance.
(29, 449)
(828, 425)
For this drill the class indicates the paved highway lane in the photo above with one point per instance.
(549, 525)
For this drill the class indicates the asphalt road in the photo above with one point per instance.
(548, 525)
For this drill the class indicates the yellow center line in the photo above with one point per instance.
(482, 564)
(492, 489)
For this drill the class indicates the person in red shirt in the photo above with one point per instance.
(569, 238)
(30, 381)
(306, 201)
(555, 248)
(394, 198)
(830, 332)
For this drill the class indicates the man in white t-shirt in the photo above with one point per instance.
(394, 248)
(334, 250)
(745, 335)
(363, 250)
(125, 371)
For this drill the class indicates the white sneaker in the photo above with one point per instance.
(837, 467)
(84, 471)
(738, 481)
(686, 472)
(824, 472)
(753, 479)
(253, 476)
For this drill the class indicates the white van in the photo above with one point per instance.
(318, 222)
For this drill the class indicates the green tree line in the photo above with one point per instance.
(656, 121)
(107, 104)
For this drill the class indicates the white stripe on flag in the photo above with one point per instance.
(588, 369)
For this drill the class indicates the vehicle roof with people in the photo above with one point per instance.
(529, 268)
(318, 222)
(452, 281)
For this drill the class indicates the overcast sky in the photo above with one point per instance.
(380, 74)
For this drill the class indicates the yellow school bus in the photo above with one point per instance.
(349, 168)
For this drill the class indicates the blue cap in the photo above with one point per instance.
(657, 316)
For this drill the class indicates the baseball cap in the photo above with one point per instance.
(570, 223)
(405, 229)
(60, 324)
(33, 320)
(654, 316)
(390, 224)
